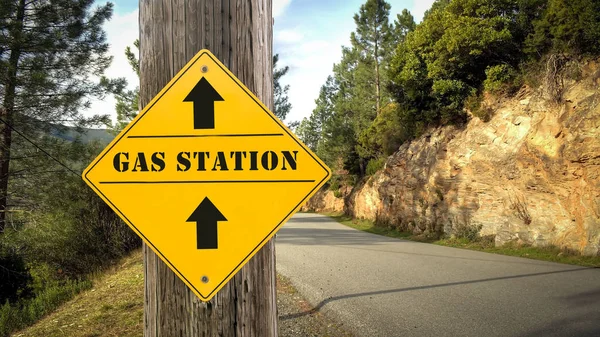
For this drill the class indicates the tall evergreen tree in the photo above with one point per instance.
(127, 106)
(312, 130)
(373, 39)
(50, 52)
(571, 27)
(404, 24)
(281, 102)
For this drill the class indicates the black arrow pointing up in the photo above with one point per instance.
(206, 217)
(203, 96)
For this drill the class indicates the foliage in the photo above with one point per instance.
(127, 107)
(464, 229)
(64, 233)
(404, 24)
(355, 95)
(482, 243)
(14, 276)
(435, 71)
(499, 78)
(134, 62)
(51, 53)
(444, 59)
(571, 27)
(17, 316)
(74, 231)
(335, 182)
(476, 106)
(127, 101)
(375, 165)
(114, 306)
(280, 93)
(49, 83)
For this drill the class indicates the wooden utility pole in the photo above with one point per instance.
(239, 33)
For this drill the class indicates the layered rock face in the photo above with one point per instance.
(530, 174)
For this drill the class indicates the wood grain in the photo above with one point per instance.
(239, 33)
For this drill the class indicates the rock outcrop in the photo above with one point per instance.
(530, 174)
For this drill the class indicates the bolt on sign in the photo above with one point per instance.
(206, 174)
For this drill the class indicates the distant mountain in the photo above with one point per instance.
(87, 135)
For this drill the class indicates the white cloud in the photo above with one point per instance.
(310, 63)
(279, 7)
(311, 57)
(121, 31)
(419, 7)
(288, 36)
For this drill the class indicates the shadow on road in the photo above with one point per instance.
(321, 304)
(585, 299)
(577, 324)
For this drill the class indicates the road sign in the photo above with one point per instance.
(206, 174)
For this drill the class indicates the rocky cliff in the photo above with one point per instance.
(530, 174)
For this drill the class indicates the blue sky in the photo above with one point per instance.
(308, 35)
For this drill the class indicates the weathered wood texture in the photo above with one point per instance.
(239, 33)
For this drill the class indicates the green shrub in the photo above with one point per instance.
(25, 312)
(500, 79)
(76, 232)
(15, 278)
(375, 165)
(465, 230)
(571, 27)
(450, 95)
(334, 182)
(474, 103)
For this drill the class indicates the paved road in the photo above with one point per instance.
(379, 286)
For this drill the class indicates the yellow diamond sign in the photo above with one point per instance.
(206, 174)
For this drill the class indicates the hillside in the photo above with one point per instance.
(115, 307)
(531, 174)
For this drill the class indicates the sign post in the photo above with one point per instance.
(206, 174)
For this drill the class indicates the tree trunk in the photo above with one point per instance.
(7, 112)
(377, 95)
(239, 33)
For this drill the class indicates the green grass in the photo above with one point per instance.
(26, 312)
(114, 306)
(368, 226)
(484, 244)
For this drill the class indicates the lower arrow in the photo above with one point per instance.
(206, 216)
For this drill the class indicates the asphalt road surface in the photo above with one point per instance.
(378, 286)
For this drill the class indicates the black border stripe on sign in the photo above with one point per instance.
(245, 259)
(208, 136)
(202, 182)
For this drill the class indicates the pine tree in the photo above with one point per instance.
(404, 24)
(282, 105)
(50, 52)
(127, 106)
(312, 129)
(373, 39)
(571, 27)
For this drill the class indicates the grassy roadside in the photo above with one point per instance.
(552, 253)
(114, 306)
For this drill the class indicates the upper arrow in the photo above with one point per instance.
(203, 96)
(206, 216)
